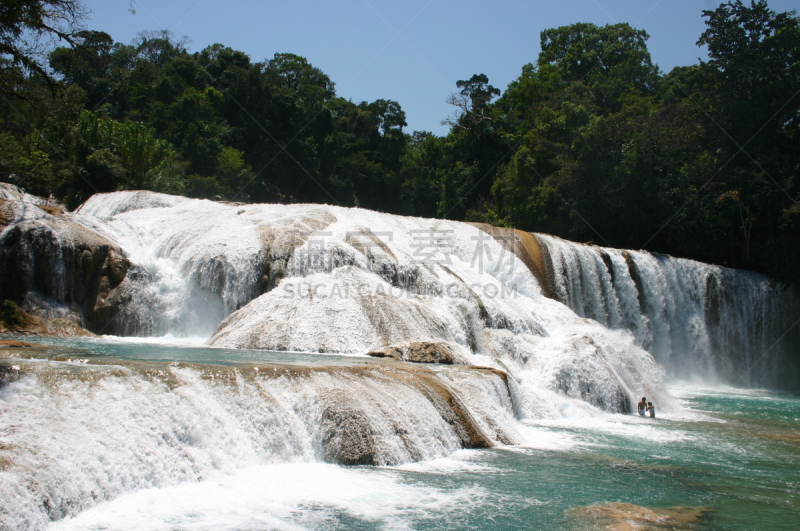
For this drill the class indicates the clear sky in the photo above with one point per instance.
(410, 51)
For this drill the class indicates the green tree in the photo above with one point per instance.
(753, 75)
(102, 155)
(474, 148)
(89, 65)
(363, 154)
(611, 60)
(27, 30)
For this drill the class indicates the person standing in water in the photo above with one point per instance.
(651, 408)
(642, 406)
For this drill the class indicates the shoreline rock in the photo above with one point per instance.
(13, 343)
(53, 266)
(15, 319)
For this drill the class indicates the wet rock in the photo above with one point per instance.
(14, 319)
(348, 436)
(589, 376)
(348, 310)
(11, 343)
(502, 374)
(417, 352)
(452, 410)
(629, 517)
(365, 427)
(526, 247)
(118, 266)
(54, 265)
(597, 387)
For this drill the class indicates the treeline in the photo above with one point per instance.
(592, 142)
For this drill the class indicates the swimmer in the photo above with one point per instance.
(642, 406)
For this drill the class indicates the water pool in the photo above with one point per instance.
(725, 459)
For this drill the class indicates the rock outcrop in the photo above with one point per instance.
(591, 378)
(527, 248)
(55, 267)
(14, 319)
(358, 430)
(417, 352)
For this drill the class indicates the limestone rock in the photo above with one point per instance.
(453, 410)
(55, 266)
(526, 247)
(589, 377)
(628, 517)
(347, 310)
(12, 343)
(14, 319)
(361, 427)
(348, 436)
(502, 374)
(417, 352)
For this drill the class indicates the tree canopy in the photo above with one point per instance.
(592, 142)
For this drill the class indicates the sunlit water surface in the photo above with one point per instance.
(735, 453)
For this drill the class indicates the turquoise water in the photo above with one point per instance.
(741, 462)
(109, 348)
(734, 453)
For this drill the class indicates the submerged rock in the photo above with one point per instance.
(12, 343)
(628, 517)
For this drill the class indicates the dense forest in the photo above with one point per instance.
(592, 142)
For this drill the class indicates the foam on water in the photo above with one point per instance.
(460, 461)
(77, 434)
(703, 323)
(99, 444)
(288, 496)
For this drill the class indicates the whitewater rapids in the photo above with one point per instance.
(540, 330)
(318, 278)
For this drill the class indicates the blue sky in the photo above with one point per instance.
(412, 51)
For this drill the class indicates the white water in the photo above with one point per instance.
(282, 497)
(327, 279)
(77, 434)
(701, 322)
(350, 280)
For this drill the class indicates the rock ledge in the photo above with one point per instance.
(417, 352)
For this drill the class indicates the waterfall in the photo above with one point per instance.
(320, 278)
(701, 322)
(85, 433)
(538, 331)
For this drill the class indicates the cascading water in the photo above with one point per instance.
(75, 433)
(542, 332)
(701, 322)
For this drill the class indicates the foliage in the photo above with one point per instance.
(591, 142)
(11, 314)
(695, 163)
(27, 27)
